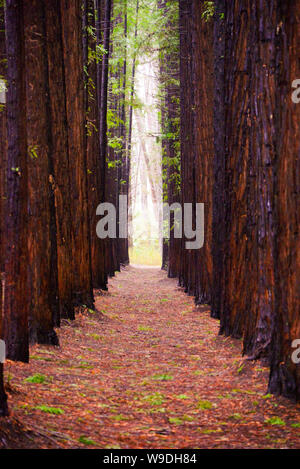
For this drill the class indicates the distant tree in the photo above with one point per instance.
(93, 52)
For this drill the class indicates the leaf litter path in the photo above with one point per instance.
(148, 370)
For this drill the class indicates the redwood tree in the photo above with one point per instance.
(92, 62)
(3, 398)
(285, 375)
(71, 13)
(60, 174)
(15, 232)
(44, 304)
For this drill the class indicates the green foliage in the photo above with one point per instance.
(169, 98)
(145, 328)
(158, 36)
(32, 151)
(267, 396)
(118, 417)
(16, 170)
(36, 378)
(155, 399)
(50, 410)
(86, 441)
(236, 416)
(163, 377)
(275, 421)
(204, 405)
(182, 396)
(209, 10)
(176, 421)
(208, 431)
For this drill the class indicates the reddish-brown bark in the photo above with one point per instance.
(93, 154)
(204, 145)
(218, 245)
(237, 128)
(60, 159)
(42, 268)
(3, 140)
(3, 155)
(73, 67)
(187, 135)
(15, 321)
(285, 375)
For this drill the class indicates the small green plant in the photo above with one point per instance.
(204, 405)
(38, 357)
(176, 420)
(37, 378)
(182, 396)
(267, 396)
(86, 441)
(275, 421)
(155, 399)
(145, 328)
(119, 417)
(163, 377)
(295, 425)
(236, 416)
(50, 410)
(95, 336)
(208, 431)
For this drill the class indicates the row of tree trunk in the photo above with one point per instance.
(53, 144)
(169, 94)
(240, 157)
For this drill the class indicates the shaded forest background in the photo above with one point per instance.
(229, 139)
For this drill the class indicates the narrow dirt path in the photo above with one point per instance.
(148, 371)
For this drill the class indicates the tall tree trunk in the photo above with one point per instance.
(204, 145)
(3, 139)
(73, 67)
(218, 239)
(41, 224)
(60, 159)
(285, 374)
(129, 138)
(93, 153)
(103, 36)
(3, 397)
(187, 136)
(259, 324)
(104, 93)
(124, 174)
(16, 223)
(3, 153)
(237, 130)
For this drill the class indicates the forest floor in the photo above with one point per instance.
(148, 370)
